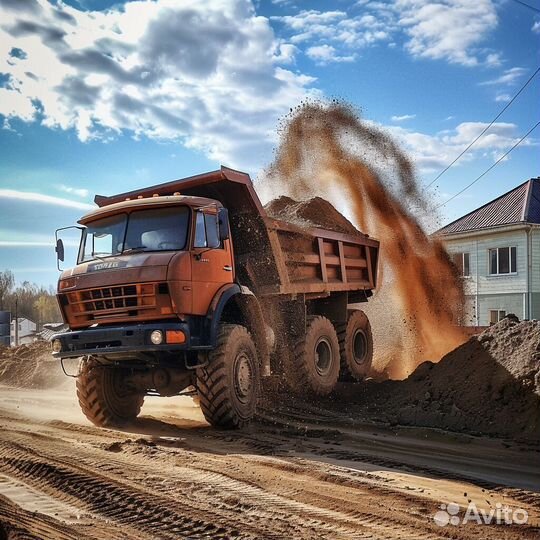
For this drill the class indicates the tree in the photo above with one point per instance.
(46, 308)
(7, 282)
(33, 302)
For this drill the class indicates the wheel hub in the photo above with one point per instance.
(359, 346)
(243, 377)
(323, 356)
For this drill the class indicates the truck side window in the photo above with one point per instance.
(212, 235)
(206, 231)
(200, 231)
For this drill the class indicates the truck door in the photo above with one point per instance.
(211, 261)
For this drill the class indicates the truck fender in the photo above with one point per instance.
(250, 308)
(217, 306)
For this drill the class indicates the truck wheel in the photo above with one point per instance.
(228, 387)
(356, 346)
(103, 397)
(315, 360)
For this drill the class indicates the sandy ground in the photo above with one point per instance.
(300, 472)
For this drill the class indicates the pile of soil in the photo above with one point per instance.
(488, 385)
(315, 212)
(30, 366)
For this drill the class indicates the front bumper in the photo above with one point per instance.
(119, 340)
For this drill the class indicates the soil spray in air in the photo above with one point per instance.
(326, 150)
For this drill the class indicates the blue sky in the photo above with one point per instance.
(102, 97)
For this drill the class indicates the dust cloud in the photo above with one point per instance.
(327, 150)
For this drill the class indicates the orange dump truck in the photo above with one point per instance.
(190, 286)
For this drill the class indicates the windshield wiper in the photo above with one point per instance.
(137, 249)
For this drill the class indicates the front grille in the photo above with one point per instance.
(118, 301)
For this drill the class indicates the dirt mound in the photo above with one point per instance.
(30, 366)
(490, 384)
(315, 212)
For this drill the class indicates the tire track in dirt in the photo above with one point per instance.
(318, 431)
(267, 506)
(200, 483)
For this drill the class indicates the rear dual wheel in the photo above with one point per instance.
(356, 346)
(313, 365)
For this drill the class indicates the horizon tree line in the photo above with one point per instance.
(29, 300)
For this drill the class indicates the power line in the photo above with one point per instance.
(489, 169)
(486, 128)
(528, 6)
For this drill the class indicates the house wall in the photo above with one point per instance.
(535, 273)
(27, 328)
(505, 292)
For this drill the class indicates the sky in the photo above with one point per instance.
(104, 97)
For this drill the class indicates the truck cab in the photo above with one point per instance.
(144, 262)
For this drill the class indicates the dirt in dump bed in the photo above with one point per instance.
(30, 366)
(489, 385)
(315, 212)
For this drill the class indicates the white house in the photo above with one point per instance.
(497, 250)
(26, 331)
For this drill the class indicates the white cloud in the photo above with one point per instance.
(335, 36)
(448, 30)
(324, 54)
(403, 117)
(80, 192)
(7, 243)
(505, 98)
(433, 152)
(285, 53)
(493, 60)
(217, 86)
(445, 30)
(536, 27)
(13, 194)
(509, 77)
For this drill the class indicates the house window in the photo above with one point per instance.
(502, 261)
(496, 315)
(462, 262)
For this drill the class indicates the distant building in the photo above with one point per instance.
(5, 328)
(26, 331)
(497, 250)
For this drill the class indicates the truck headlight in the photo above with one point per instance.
(56, 345)
(156, 337)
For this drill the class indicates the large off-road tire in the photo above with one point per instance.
(356, 347)
(228, 386)
(313, 367)
(103, 397)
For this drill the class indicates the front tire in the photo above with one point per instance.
(315, 360)
(228, 387)
(103, 397)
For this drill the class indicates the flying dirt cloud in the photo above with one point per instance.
(328, 151)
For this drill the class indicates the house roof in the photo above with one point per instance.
(521, 205)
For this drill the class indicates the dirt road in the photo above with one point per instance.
(171, 476)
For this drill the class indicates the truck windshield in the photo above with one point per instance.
(162, 229)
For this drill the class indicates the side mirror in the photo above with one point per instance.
(59, 250)
(223, 224)
(71, 242)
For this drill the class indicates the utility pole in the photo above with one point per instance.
(16, 321)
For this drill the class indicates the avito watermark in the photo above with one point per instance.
(501, 514)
